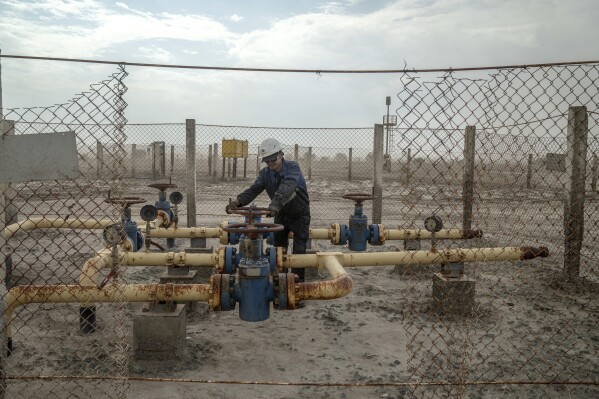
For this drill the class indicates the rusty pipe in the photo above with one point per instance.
(339, 286)
(21, 295)
(187, 232)
(398, 234)
(354, 259)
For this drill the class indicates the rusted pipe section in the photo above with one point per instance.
(339, 286)
(419, 234)
(21, 295)
(354, 259)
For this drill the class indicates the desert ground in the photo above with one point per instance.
(529, 326)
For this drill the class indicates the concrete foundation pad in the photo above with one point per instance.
(159, 334)
(453, 295)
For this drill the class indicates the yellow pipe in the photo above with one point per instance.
(415, 234)
(421, 257)
(339, 286)
(21, 295)
(171, 258)
(58, 223)
(397, 234)
(187, 232)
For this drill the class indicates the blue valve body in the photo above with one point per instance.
(254, 292)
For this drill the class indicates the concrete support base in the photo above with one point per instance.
(159, 333)
(410, 269)
(453, 295)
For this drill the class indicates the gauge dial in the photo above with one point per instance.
(112, 234)
(433, 224)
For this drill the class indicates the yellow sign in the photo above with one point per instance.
(235, 148)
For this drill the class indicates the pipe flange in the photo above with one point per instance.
(336, 233)
(291, 293)
(220, 260)
(224, 235)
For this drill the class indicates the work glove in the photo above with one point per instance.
(273, 210)
(233, 204)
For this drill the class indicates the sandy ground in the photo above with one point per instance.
(384, 340)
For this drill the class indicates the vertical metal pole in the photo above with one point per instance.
(257, 163)
(349, 164)
(408, 166)
(133, 157)
(468, 183)
(172, 159)
(215, 160)
(8, 191)
(99, 158)
(153, 160)
(3, 217)
(162, 148)
(594, 168)
(245, 167)
(309, 163)
(224, 168)
(529, 172)
(576, 162)
(377, 188)
(296, 153)
(210, 160)
(190, 158)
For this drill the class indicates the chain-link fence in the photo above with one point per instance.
(485, 152)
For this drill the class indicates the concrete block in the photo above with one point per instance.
(453, 295)
(159, 334)
(409, 269)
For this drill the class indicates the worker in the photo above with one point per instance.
(289, 201)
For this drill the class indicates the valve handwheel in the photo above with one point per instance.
(125, 201)
(358, 197)
(162, 186)
(253, 230)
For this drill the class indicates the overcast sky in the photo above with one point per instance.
(300, 34)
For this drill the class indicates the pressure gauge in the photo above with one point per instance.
(433, 223)
(176, 197)
(113, 234)
(148, 212)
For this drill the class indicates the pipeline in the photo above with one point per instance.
(338, 287)
(21, 295)
(57, 223)
(355, 259)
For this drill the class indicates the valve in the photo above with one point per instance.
(129, 226)
(148, 213)
(358, 232)
(165, 207)
(253, 291)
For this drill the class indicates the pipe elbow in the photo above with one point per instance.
(329, 289)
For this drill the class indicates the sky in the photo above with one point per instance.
(299, 34)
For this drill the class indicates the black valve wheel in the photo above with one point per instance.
(253, 230)
(250, 212)
(125, 201)
(176, 197)
(148, 212)
(358, 197)
(162, 186)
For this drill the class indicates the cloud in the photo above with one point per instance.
(236, 18)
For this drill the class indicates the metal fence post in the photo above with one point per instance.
(172, 159)
(8, 192)
(210, 160)
(468, 184)
(257, 163)
(309, 163)
(133, 151)
(408, 161)
(594, 168)
(190, 151)
(99, 158)
(576, 160)
(377, 188)
(295, 153)
(215, 160)
(349, 164)
(529, 172)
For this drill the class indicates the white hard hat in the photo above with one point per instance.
(268, 148)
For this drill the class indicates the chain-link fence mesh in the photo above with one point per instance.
(522, 328)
